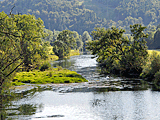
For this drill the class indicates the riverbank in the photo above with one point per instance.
(90, 75)
(109, 84)
(43, 77)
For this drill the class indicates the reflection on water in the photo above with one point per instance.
(82, 64)
(91, 105)
(119, 105)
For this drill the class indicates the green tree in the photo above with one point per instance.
(49, 36)
(85, 38)
(10, 51)
(79, 41)
(116, 54)
(10, 58)
(65, 41)
(20, 44)
(31, 31)
(156, 42)
(136, 53)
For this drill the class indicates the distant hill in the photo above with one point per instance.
(84, 15)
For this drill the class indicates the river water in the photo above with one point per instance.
(92, 105)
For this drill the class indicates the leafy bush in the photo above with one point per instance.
(152, 67)
(156, 85)
(45, 66)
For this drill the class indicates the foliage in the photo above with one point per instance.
(84, 15)
(32, 47)
(152, 66)
(49, 37)
(79, 41)
(55, 75)
(65, 41)
(74, 52)
(116, 54)
(85, 38)
(156, 42)
(45, 66)
(9, 51)
(20, 44)
(156, 81)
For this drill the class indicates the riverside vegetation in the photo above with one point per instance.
(55, 75)
(117, 55)
(23, 49)
(24, 52)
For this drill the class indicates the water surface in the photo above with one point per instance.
(92, 105)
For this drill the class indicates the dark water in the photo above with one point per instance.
(118, 105)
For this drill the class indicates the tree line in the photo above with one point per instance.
(84, 15)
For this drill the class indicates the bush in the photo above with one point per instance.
(45, 66)
(152, 67)
(156, 85)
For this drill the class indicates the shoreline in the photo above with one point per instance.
(96, 86)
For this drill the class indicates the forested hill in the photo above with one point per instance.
(84, 15)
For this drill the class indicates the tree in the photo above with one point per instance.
(65, 41)
(10, 57)
(156, 42)
(30, 39)
(79, 41)
(116, 54)
(136, 53)
(49, 37)
(85, 38)
(20, 44)
(10, 54)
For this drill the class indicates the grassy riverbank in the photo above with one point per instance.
(151, 51)
(55, 75)
(50, 76)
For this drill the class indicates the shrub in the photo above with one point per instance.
(156, 85)
(45, 66)
(152, 67)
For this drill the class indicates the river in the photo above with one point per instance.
(88, 105)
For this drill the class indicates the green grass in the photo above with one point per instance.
(151, 51)
(74, 52)
(51, 76)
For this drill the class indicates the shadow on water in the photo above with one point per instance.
(12, 111)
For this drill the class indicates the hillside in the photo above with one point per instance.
(84, 15)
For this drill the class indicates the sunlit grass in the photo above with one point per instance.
(51, 76)
(151, 51)
(74, 52)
